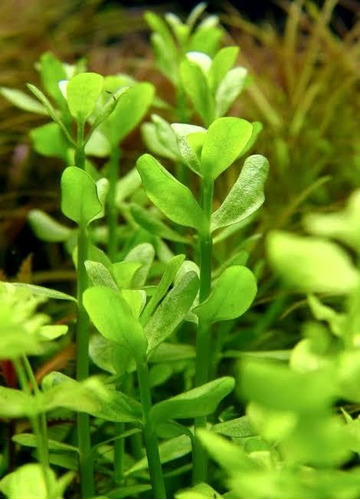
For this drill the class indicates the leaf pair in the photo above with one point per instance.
(117, 315)
(172, 38)
(212, 85)
(178, 203)
(82, 199)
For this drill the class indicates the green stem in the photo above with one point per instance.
(112, 211)
(86, 464)
(82, 368)
(203, 337)
(42, 416)
(119, 450)
(35, 420)
(80, 147)
(151, 443)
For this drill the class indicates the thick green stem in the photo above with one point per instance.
(203, 337)
(36, 423)
(82, 341)
(82, 368)
(151, 443)
(112, 211)
(80, 147)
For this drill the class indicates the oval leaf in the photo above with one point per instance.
(129, 111)
(79, 196)
(198, 402)
(224, 142)
(172, 310)
(174, 199)
(82, 92)
(22, 100)
(231, 296)
(114, 319)
(48, 229)
(246, 195)
(310, 264)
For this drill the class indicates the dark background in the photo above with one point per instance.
(254, 10)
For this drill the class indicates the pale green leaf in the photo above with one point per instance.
(232, 295)
(224, 142)
(174, 199)
(48, 229)
(114, 319)
(82, 93)
(22, 101)
(197, 402)
(246, 196)
(310, 264)
(172, 310)
(79, 196)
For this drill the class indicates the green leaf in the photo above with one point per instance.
(343, 225)
(169, 450)
(90, 396)
(49, 140)
(108, 108)
(167, 278)
(174, 199)
(99, 275)
(130, 110)
(226, 453)
(286, 390)
(52, 112)
(190, 140)
(224, 142)
(172, 310)
(232, 295)
(167, 353)
(48, 229)
(335, 320)
(61, 391)
(97, 145)
(163, 46)
(237, 428)
(82, 93)
(52, 71)
(223, 61)
(246, 196)
(127, 186)
(27, 439)
(114, 319)
(79, 196)
(195, 14)
(22, 101)
(349, 375)
(165, 135)
(16, 341)
(154, 225)
(100, 351)
(15, 403)
(201, 490)
(28, 481)
(42, 291)
(310, 264)
(144, 254)
(229, 89)
(120, 408)
(126, 273)
(153, 142)
(198, 402)
(196, 86)
(52, 332)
